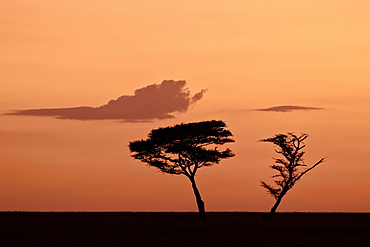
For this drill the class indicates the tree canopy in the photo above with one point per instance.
(184, 148)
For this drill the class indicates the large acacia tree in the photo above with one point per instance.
(288, 167)
(183, 149)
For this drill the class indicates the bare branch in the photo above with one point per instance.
(309, 169)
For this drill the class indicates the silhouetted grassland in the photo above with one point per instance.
(184, 229)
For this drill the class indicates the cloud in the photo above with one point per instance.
(289, 108)
(147, 103)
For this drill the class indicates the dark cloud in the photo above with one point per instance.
(289, 108)
(147, 103)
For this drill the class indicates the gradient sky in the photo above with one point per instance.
(249, 54)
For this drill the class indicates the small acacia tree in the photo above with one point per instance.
(290, 147)
(183, 149)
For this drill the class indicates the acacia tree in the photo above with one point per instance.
(183, 149)
(290, 147)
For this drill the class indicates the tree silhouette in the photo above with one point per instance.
(290, 147)
(183, 149)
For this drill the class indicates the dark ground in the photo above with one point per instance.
(184, 229)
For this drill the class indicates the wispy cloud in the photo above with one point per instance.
(148, 103)
(289, 108)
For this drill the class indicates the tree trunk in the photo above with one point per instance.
(200, 203)
(276, 205)
(273, 209)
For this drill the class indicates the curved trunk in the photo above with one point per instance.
(276, 205)
(200, 203)
(273, 209)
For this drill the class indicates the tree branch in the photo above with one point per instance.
(309, 169)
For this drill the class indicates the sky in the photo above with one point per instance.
(81, 79)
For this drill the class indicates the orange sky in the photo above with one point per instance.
(248, 54)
